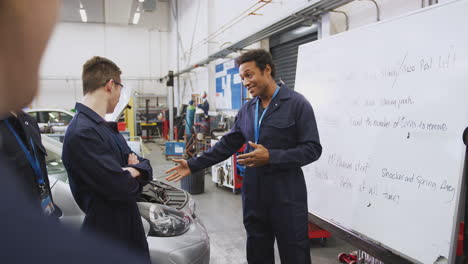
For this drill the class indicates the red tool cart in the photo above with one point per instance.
(316, 232)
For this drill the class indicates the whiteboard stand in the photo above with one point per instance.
(464, 194)
(461, 205)
(350, 237)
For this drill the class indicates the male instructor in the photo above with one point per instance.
(280, 128)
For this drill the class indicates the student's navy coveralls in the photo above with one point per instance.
(274, 197)
(94, 154)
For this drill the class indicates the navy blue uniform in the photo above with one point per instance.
(27, 236)
(27, 129)
(94, 154)
(274, 197)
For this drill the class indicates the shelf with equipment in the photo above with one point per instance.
(150, 114)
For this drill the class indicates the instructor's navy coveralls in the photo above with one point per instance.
(94, 154)
(274, 196)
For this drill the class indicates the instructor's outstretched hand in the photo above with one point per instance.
(178, 172)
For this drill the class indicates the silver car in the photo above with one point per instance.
(51, 120)
(175, 235)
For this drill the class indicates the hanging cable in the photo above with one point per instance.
(376, 7)
(193, 33)
(248, 12)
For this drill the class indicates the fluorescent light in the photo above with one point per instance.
(81, 5)
(136, 18)
(83, 15)
(141, 1)
(138, 8)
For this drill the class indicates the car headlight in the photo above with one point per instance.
(165, 221)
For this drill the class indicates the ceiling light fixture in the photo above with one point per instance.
(83, 15)
(141, 1)
(136, 18)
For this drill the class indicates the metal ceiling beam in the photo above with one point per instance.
(313, 11)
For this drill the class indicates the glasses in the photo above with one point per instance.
(121, 85)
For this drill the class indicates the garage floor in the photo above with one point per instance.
(221, 212)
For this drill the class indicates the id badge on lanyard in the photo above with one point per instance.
(46, 200)
(44, 194)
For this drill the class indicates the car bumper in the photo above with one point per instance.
(192, 247)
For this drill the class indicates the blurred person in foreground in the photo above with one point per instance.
(26, 235)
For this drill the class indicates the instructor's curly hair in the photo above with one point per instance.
(261, 57)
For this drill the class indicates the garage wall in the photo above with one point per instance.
(139, 52)
(205, 28)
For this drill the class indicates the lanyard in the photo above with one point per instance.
(34, 162)
(258, 123)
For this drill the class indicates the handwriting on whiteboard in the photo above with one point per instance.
(355, 176)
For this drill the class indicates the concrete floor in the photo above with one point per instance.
(221, 212)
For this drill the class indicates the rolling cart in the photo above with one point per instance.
(228, 173)
(316, 232)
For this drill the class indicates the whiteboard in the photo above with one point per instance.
(390, 101)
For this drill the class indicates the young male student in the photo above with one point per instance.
(105, 175)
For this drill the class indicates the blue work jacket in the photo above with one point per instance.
(94, 154)
(290, 134)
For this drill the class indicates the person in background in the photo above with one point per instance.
(202, 119)
(21, 143)
(105, 175)
(27, 236)
(279, 126)
(204, 105)
(189, 119)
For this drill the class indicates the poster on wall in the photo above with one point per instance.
(229, 89)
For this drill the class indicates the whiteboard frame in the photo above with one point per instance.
(458, 208)
(383, 250)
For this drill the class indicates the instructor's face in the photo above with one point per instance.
(253, 78)
(26, 26)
